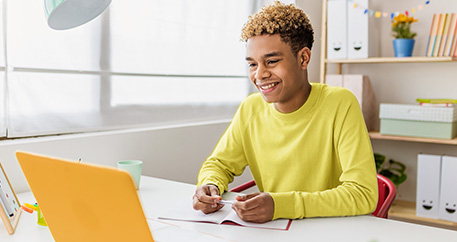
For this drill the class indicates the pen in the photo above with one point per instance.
(226, 202)
(29, 210)
(31, 206)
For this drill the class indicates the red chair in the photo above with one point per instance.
(386, 194)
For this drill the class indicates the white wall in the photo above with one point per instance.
(174, 153)
(399, 83)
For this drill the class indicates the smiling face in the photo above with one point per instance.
(279, 74)
(451, 208)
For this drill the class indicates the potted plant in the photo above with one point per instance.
(394, 170)
(404, 38)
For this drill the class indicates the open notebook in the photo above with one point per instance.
(225, 215)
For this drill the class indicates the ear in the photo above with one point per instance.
(305, 56)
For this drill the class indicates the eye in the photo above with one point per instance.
(252, 65)
(271, 62)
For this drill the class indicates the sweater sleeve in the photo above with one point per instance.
(357, 194)
(227, 159)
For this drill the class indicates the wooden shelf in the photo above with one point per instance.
(393, 60)
(406, 211)
(377, 135)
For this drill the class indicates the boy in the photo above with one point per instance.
(306, 144)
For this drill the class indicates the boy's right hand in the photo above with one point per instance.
(206, 199)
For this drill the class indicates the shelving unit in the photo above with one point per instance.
(393, 60)
(377, 135)
(401, 210)
(378, 60)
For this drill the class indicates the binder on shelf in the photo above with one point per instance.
(361, 31)
(337, 29)
(445, 35)
(433, 32)
(439, 34)
(428, 185)
(448, 191)
(451, 35)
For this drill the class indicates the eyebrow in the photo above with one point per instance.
(275, 53)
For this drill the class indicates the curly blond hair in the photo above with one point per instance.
(289, 22)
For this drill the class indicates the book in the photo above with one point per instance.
(225, 215)
(436, 101)
(454, 46)
(445, 35)
(432, 37)
(439, 34)
(455, 49)
(438, 104)
(451, 36)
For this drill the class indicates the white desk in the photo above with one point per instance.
(159, 195)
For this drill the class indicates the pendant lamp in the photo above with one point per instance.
(67, 14)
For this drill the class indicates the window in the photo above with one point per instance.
(144, 63)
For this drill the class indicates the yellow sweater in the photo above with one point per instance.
(316, 161)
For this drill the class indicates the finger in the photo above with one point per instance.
(205, 207)
(246, 197)
(214, 191)
(211, 209)
(247, 211)
(204, 195)
(249, 216)
(249, 204)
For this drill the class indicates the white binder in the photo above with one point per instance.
(357, 30)
(428, 185)
(337, 29)
(448, 192)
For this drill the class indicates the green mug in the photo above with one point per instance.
(133, 167)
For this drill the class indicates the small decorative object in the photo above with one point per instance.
(404, 38)
(395, 170)
(10, 208)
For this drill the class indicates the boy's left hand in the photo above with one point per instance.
(256, 207)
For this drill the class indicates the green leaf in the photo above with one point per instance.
(395, 170)
(386, 173)
(401, 179)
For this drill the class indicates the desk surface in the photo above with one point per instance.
(158, 195)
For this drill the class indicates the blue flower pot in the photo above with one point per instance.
(403, 47)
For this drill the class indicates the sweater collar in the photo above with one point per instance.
(305, 108)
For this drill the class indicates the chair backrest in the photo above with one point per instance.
(386, 194)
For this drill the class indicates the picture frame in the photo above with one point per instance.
(10, 208)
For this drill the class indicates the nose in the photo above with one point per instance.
(261, 73)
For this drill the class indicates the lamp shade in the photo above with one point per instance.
(67, 14)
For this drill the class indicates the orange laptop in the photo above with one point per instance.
(83, 202)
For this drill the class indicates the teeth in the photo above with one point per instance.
(268, 86)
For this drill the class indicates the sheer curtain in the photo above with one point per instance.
(142, 63)
(3, 93)
(3, 99)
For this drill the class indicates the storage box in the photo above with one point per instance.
(418, 121)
